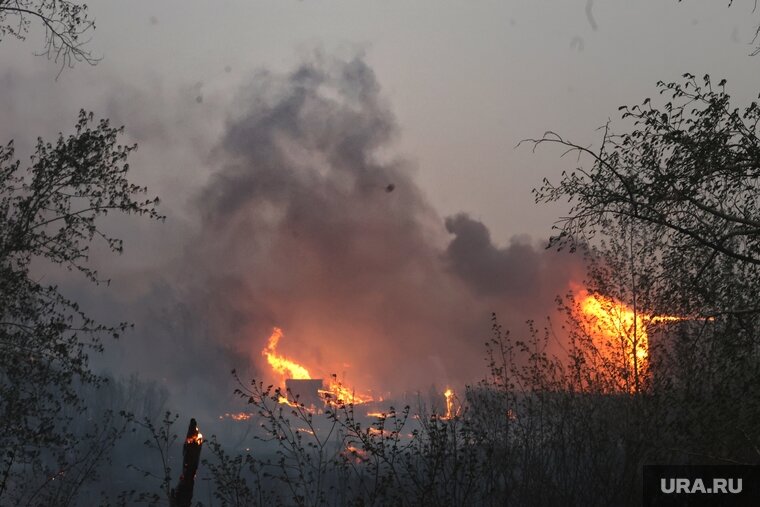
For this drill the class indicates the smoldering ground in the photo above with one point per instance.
(309, 222)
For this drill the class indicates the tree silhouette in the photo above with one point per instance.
(49, 213)
(669, 214)
(66, 25)
(687, 171)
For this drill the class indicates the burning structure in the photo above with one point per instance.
(298, 382)
(620, 338)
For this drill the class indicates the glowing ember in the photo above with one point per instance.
(619, 333)
(239, 416)
(355, 454)
(196, 439)
(379, 432)
(379, 415)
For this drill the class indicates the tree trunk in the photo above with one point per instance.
(182, 495)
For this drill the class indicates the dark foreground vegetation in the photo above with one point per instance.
(667, 216)
(665, 211)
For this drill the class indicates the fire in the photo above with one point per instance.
(355, 454)
(338, 393)
(616, 324)
(239, 416)
(619, 333)
(282, 400)
(449, 395)
(334, 392)
(196, 439)
(282, 365)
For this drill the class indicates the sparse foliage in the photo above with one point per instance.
(528, 434)
(689, 173)
(667, 216)
(668, 213)
(49, 215)
(66, 25)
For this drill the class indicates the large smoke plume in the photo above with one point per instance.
(308, 224)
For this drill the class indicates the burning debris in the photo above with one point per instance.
(238, 416)
(300, 387)
(355, 454)
(620, 337)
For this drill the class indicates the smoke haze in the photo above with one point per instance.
(309, 223)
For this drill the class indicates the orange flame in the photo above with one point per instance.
(449, 395)
(282, 400)
(355, 454)
(335, 391)
(340, 394)
(619, 333)
(239, 416)
(196, 439)
(282, 365)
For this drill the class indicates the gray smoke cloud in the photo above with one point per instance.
(521, 276)
(310, 230)
(307, 223)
